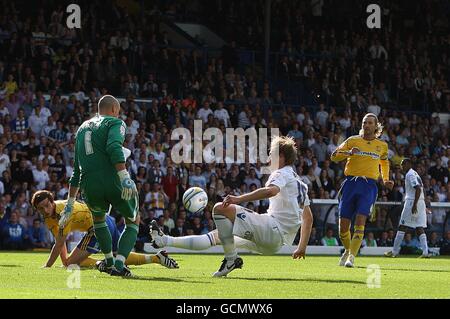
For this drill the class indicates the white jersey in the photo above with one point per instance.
(412, 179)
(285, 206)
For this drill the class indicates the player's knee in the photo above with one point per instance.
(419, 231)
(218, 209)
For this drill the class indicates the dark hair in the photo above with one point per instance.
(39, 196)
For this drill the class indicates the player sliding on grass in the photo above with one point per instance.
(364, 153)
(414, 212)
(100, 172)
(288, 209)
(81, 220)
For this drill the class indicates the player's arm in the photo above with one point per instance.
(57, 248)
(342, 152)
(261, 193)
(116, 137)
(74, 185)
(384, 164)
(305, 233)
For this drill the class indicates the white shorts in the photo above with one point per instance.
(260, 229)
(409, 219)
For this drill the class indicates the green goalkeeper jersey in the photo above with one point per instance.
(98, 147)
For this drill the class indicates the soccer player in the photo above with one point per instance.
(414, 211)
(365, 154)
(100, 172)
(288, 210)
(194, 242)
(81, 220)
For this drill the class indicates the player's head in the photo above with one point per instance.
(43, 202)
(286, 149)
(108, 105)
(406, 165)
(370, 126)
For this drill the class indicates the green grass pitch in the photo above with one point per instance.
(261, 277)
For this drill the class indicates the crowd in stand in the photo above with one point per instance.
(51, 78)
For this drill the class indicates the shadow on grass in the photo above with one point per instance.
(407, 269)
(10, 266)
(330, 281)
(163, 279)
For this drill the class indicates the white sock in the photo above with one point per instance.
(398, 241)
(225, 229)
(424, 244)
(195, 242)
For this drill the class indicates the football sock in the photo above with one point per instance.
(357, 239)
(397, 242)
(225, 229)
(88, 262)
(104, 241)
(126, 243)
(140, 259)
(199, 242)
(423, 243)
(345, 239)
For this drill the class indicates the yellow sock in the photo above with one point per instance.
(345, 239)
(138, 259)
(357, 239)
(88, 262)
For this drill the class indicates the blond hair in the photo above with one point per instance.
(379, 128)
(284, 145)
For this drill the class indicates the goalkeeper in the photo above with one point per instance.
(100, 173)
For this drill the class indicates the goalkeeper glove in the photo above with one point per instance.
(129, 189)
(67, 212)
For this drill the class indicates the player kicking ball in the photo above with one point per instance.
(81, 220)
(414, 211)
(288, 210)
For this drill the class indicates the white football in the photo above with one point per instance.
(195, 199)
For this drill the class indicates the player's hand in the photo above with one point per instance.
(67, 212)
(230, 199)
(129, 189)
(429, 211)
(414, 209)
(354, 150)
(299, 253)
(389, 184)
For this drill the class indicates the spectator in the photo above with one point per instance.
(14, 234)
(444, 244)
(37, 235)
(369, 241)
(329, 239)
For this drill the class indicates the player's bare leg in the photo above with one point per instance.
(224, 218)
(358, 235)
(345, 236)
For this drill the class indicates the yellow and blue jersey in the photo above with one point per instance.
(372, 156)
(359, 190)
(81, 220)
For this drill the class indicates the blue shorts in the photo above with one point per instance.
(358, 195)
(89, 241)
